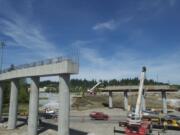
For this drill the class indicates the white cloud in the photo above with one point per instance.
(156, 5)
(89, 54)
(92, 56)
(112, 24)
(109, 25)
(24, 33)
(126, 63)
(172, 2)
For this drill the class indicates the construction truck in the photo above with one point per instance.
(172, 122)
(92, 90)
(135, 124)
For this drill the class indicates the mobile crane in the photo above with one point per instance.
(92, 90)
(135, 125)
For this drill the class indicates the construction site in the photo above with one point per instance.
(130, 110)
(89, 67)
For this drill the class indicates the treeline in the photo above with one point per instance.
(75, 84)
(79, 85)
(23, 95)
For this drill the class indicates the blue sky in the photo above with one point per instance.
(114, 38)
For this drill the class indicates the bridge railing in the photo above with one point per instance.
(38, 63)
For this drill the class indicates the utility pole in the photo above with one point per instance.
(2, 45)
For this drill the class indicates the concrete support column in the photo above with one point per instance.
(143, 101)
(125, 100)
(64, 105)
(110, 100)
(1, 100)
(164, 102)
(33, 106)
(12, 119)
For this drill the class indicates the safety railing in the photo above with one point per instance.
(38, 63)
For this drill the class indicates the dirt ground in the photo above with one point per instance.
(81, 124)
(153, 100)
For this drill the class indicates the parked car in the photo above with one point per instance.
(99, 116)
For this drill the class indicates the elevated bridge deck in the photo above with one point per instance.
(163, 89)
(42, 68)
(134, 88)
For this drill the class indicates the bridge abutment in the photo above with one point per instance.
(64, 105)
(33, 106)
(12, 119)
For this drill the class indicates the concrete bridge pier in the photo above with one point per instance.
(64, 105)
(12, 119)
(125, 100)
(1, 100)
(110, 100)
(143, 101)
(33, 106)
(164, 99)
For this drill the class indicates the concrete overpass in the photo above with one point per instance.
(58, 66)
(147, 88)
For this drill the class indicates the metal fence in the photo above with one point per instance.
(38, 63)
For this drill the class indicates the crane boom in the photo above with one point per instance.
(92, 89)
(140, 92)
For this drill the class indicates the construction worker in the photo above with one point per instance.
(165, 124)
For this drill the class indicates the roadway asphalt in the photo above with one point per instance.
(112, 119)
(76, 119)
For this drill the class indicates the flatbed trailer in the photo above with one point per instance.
(172, 123)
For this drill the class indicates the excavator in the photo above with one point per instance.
(135, 124)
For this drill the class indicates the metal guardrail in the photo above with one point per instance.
(38, 63)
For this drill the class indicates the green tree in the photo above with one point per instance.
(23, 91)
(6, 92)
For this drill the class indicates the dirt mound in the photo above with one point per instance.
(100, 101)
(87, 102)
